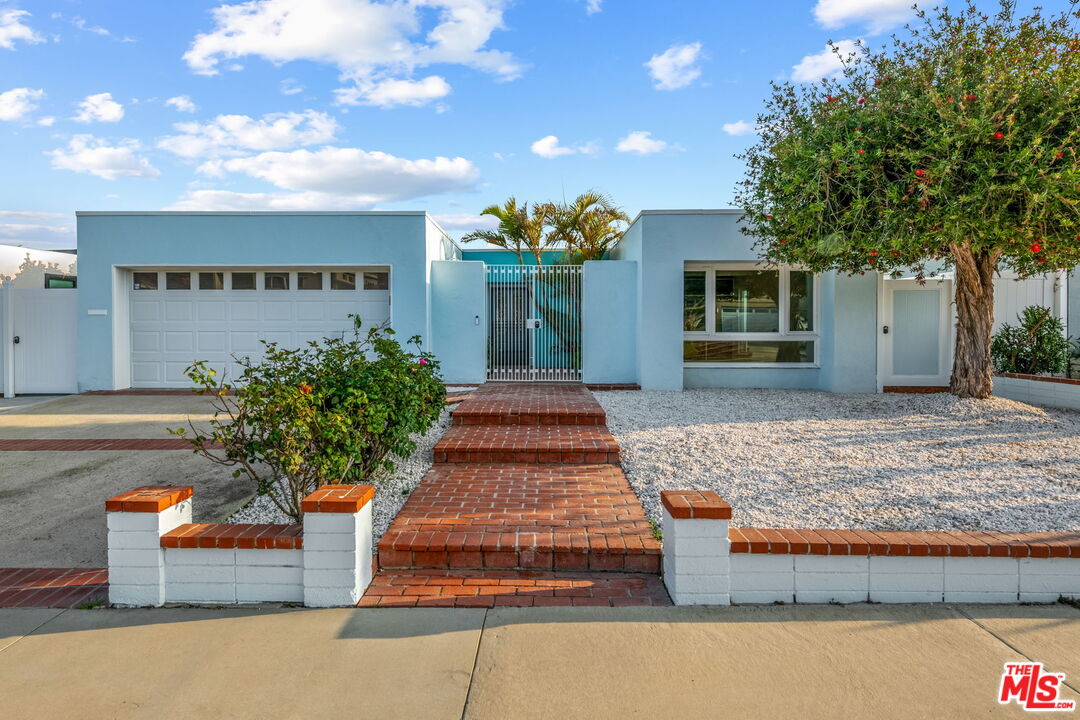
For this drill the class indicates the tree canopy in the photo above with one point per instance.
(954, 147)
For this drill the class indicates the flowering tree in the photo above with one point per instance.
(955, 148)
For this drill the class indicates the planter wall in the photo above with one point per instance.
(1039, 390)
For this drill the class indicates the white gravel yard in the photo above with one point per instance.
(789, 459)
(391, 491)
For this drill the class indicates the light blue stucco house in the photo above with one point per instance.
(681, 303)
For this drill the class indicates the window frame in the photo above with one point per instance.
(783, 307)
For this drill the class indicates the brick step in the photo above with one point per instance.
(524, 551)
(543, 444)
(495, 516)
(529, 404)
(502, 588)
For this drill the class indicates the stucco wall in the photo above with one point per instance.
(849, 333)
(109, 240)
(609, 321)
(662, 242)
(459, 320)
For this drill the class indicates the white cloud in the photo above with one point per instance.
(99, 108)
(95, 29)
(13, 28)
(361, 176)
(823, 64)
(878, 15)
(34, 228)
(676, 67)
(182, 103)
(368, 41)
(390, 93)
(641, 142)
(466, 221)
(549, 147)
(236, 134)
(593, 6)
(739, 127)
(46, 121)
(290, 86)
(89, 154)
(31, 215)
(221, 200)
(17, 104)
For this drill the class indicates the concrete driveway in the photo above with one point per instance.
(806, 662)
(52, 502)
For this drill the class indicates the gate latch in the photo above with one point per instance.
(15, 340)
(532, 323)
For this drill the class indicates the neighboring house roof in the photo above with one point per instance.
(26, 267)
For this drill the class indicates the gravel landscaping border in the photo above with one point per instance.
(790, 458)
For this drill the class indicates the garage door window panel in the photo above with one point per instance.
(309, 281)
(145, 281)
(211, 281)
(276, 281)
(242, 280)
(177, 281)
(342, 281)
(376, 280)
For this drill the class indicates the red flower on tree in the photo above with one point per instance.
(861, 152)
(920, 172)
(1036, 247)
(998, 135)
(305, 388)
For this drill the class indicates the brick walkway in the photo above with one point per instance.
(52, 587)
(526, 491)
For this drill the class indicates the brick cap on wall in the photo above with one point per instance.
(695, 504)
(240, 536)
(338, 499)
(149, 499)
(951, 543)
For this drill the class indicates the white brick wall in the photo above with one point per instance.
(218, 575)
(762, 578)
(333, 568)
(136, 560)
(337, 557)
(696, 561)
(1062, 395)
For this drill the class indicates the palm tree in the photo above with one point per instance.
(521, 229)
(590, 226)
(509, 234)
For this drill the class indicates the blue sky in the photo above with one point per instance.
(440, 105)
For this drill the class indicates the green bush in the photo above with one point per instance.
(1037, 347)
(337, 411)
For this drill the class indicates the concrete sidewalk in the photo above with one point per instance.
(741, 662)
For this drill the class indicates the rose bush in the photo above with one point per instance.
(336, 411)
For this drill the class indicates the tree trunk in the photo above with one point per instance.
(972, 373)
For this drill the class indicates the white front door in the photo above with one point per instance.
(44, 324)
(916, 333)
(218, 315)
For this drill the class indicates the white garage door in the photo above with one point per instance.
(179, 316)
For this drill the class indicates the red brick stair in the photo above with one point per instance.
(552, 517)
(526, 487)
(527, 444)
(529, 404)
